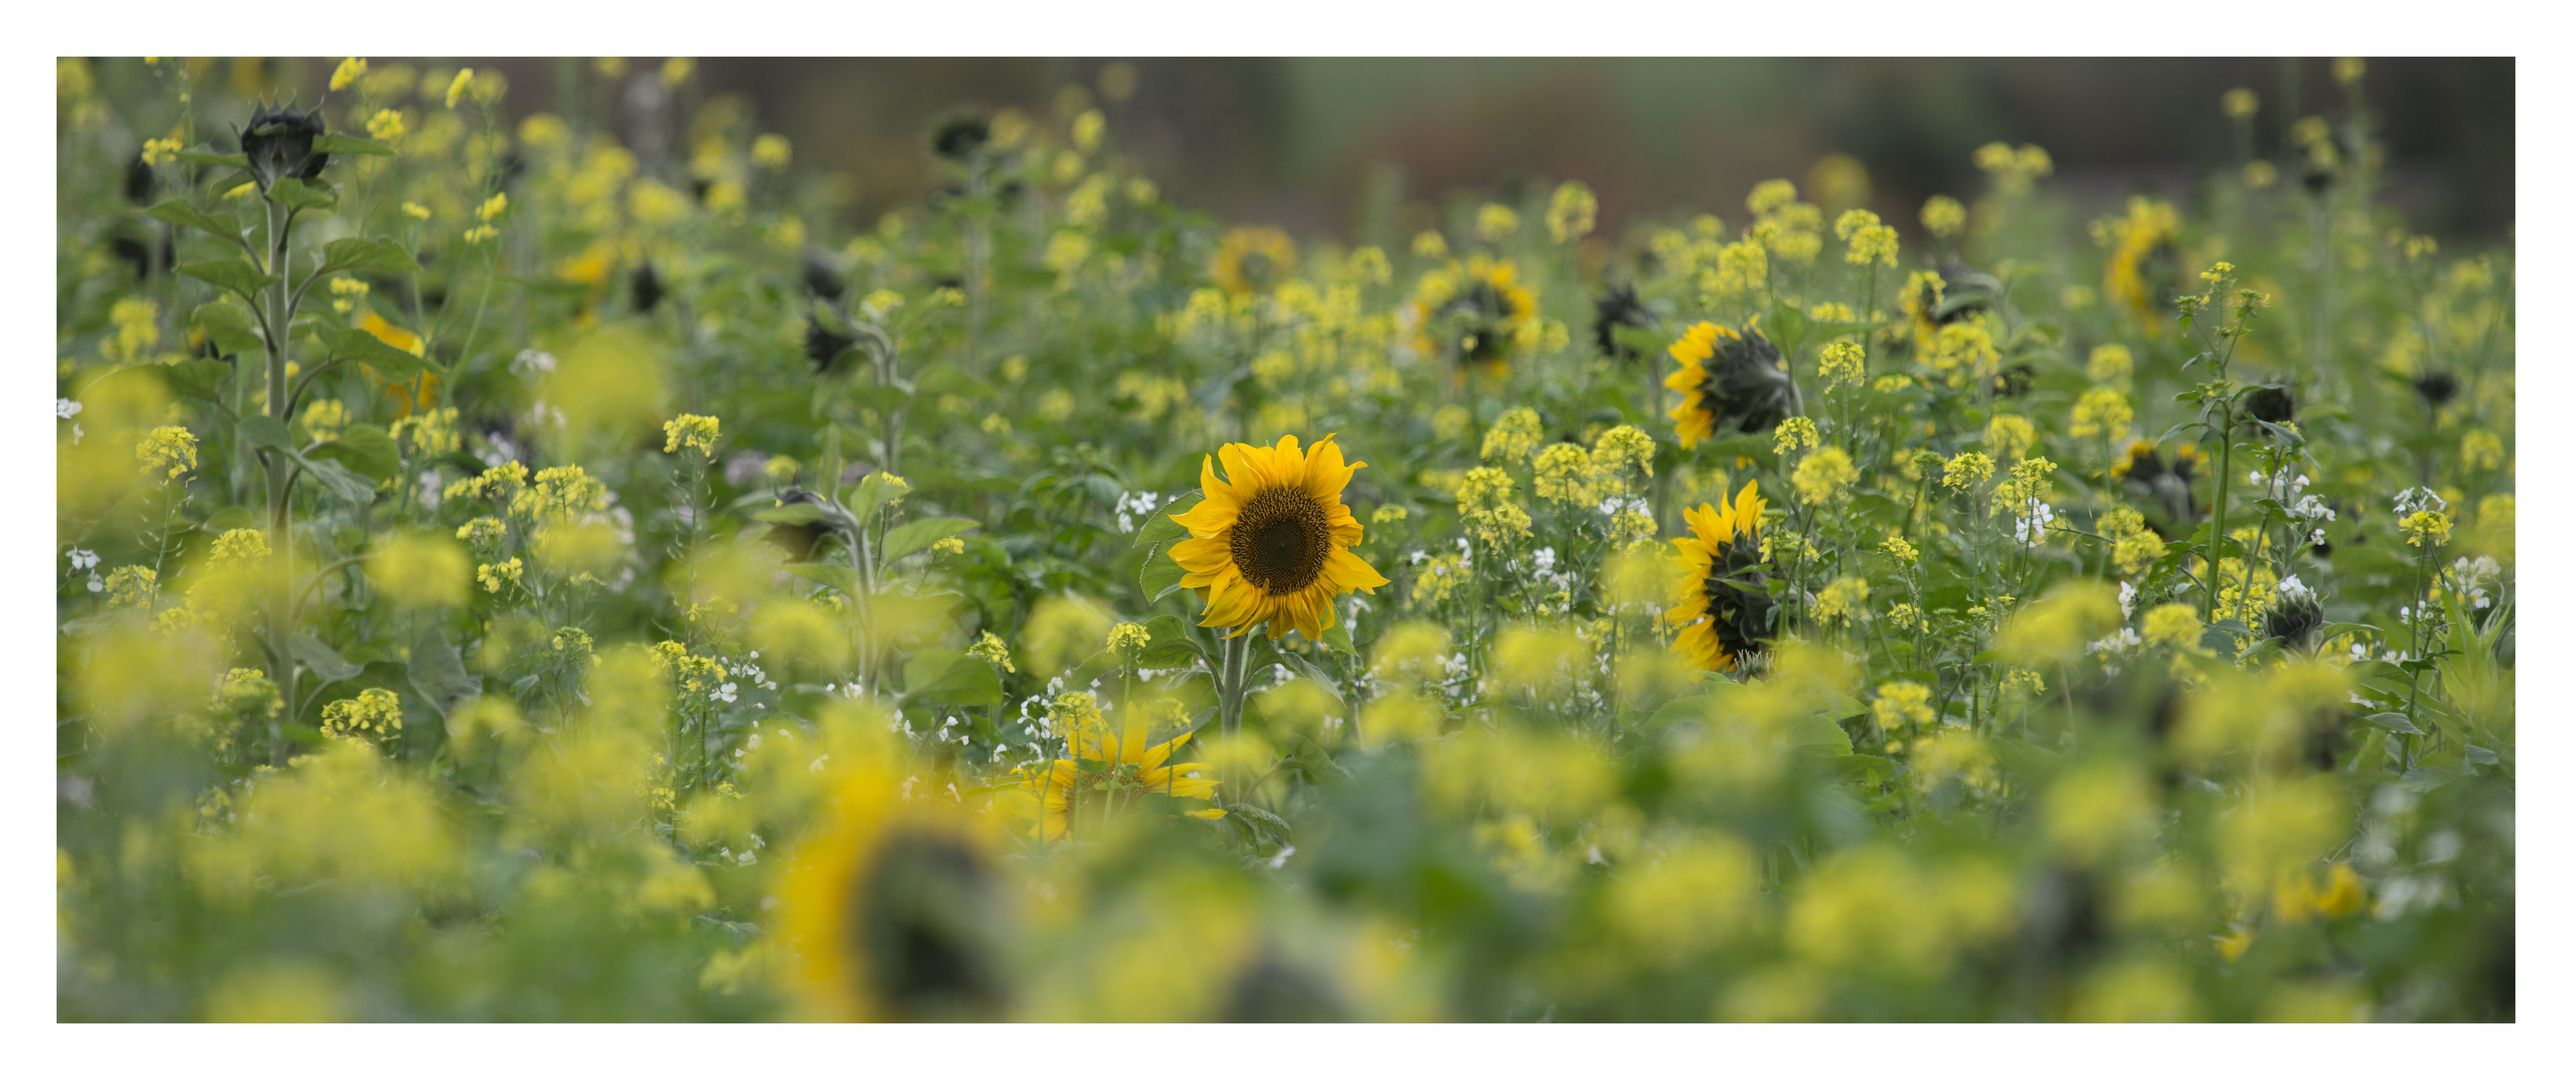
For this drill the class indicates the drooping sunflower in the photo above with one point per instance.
(1728, 378)
(1252, 260)
(1723, 604)
(894, 910)
(1472, 312)
(1134, 766)
(1270, 544)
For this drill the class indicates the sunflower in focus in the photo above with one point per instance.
(1134, 765)
(1271, 545)
(1474, 312)
(892, 911)
(1723, 605)
(2143, 260)
(1727, 377)
(1251, 260)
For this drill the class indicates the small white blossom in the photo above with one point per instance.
(65, 408)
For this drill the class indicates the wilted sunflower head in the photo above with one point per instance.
(1619, 306)
(1723, 606)
(1727, 378)
(897, 910)
(279, 144)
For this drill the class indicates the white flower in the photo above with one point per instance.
(96, 584)
(532, 361)
(729, 692)
(2125, 598)
(83, 559)
(2031, 529)
(2415, 500)
(1544, 560)
(2294, 588)
(65, 408)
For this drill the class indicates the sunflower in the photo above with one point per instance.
(2143, 268)
(1727, 376)
(1619, 307)
(1251, 260)
(891, 912)
(1723, 605)
(1272, 545)
(1472, 311)
(1133, 764)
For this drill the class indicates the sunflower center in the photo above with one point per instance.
(1282, 540)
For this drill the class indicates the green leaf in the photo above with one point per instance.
(1688, 709)
(234, 274)
(1311, 670)
(350, 144)
(437, 671)
(372, 256)
(1337, 638)
(365, 448)
(831, 574)
(321, 658)
(183, 212)
(1172, 644)
(227, 325)
(351, 488)
(208, 157)
(949, 677)
(1160, 576)
(1161, 529)
(303, 194)
(197, 378)
(902, 540)
(1098, 666)
(945, 378)
(388, 363)
(2394, 721)
(265, 431)
(872, 494)
(1818, 734)
(790, 514)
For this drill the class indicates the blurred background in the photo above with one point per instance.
(1357, 147)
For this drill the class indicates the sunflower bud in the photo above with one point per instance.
(279, 144)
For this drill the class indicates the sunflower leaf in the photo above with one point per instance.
(948, 677)
(1161, 529)
(1160, 576)
(902, 540)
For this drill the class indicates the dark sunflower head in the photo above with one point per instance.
(1619, 306)
(1746, 383)
(959, 135)
(1737, 602)
(823, 346)
(821, 278)
(279, 144)
(2437, 388)
(140, 181)
(2270, 404)
(1477, 314)
(646, 288)
(920, 922)
(2015, 380)
(1282, 541)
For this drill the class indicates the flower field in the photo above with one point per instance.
(507, 572)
